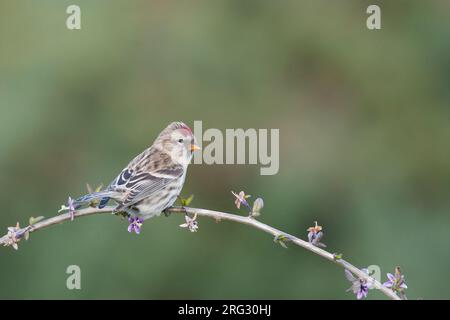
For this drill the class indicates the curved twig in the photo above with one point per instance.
(217, 215)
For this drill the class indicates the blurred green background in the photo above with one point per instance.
(364, 142)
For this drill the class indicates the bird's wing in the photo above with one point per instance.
(151, 183)
(144, 176)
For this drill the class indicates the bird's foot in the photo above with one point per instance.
(122, 214)
(167, 212)
(126, 212)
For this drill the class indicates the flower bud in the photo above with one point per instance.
(257, 206)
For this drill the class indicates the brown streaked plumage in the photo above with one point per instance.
(152, 181)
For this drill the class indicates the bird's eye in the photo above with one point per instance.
(180, 140)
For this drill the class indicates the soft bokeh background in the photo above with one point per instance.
(364, 134)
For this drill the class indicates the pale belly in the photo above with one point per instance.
(158, 201)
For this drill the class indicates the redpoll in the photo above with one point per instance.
(151, 182)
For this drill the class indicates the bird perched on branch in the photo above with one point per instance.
(151, 182)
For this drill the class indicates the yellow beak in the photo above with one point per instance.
(195, 147)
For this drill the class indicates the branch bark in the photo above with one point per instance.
(218, 216)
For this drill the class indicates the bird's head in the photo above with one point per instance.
(177, 140)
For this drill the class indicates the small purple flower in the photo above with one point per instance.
(360, 287)
(241, 199)
(71, 208)
(396, 282)
(135, 224)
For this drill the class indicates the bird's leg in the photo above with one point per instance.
(127, 212)
(167, 212)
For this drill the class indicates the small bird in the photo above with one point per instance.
(152, 181)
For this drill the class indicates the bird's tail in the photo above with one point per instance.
(104, 195)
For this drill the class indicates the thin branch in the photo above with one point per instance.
(217, 215)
